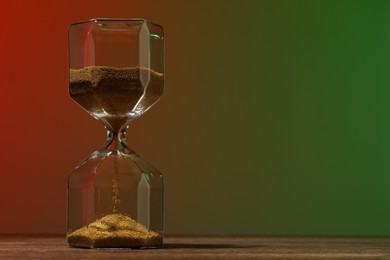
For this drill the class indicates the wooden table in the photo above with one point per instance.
(51, 247)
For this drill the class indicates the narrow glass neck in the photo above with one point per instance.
(116, 140)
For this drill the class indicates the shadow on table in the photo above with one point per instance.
(204, 246)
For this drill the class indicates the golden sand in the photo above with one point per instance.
(115, 91)
(111, 94)
(114, 230)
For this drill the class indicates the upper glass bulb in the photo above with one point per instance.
(116, 68)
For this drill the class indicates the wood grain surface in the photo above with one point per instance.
(55, 247)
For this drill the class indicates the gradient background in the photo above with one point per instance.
(275, 119)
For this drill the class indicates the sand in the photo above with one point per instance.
(114, 230)
(112, 93)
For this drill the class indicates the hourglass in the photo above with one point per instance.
(116, 73)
